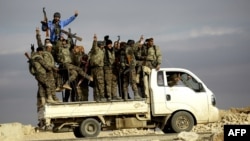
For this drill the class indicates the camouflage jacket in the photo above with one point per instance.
(48, 58)
(149, 56)
(96, 55)
(39, 65)
(130, 57)
(109, 57)
(64, 54)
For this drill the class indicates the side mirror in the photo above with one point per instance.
(200, 87)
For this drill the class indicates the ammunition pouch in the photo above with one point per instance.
(154, 63)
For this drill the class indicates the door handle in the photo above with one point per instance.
(168, 97)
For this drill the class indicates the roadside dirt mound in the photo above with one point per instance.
(232, 116)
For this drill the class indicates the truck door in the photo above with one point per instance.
(158, 84)
(183, 92)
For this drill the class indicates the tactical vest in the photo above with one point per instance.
(109, 57)
(153, 57)
(97, 59)
(57, 30)
(130, 56)
(64, 55)
(48, 58)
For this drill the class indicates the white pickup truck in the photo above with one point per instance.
(169, 107)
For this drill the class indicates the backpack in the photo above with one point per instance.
(32, 64)
(31, 68)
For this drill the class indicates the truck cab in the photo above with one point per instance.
(180, 92)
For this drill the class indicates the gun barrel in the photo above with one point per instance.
(72, 35)
(27, 55)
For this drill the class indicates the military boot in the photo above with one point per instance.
(43, 101)
(66, 86)
(55, 98)
(59, 89)
(116, 98)
(137, 96)
(125, 95)
(103, 99)
(50, 99)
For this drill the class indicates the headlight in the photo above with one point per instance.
(213, 100)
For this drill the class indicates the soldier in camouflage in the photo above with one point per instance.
(80, 59)
(129, 74)
(44, 85)
(96, 61)
(151, 58)
(51, 75)
(110, 74)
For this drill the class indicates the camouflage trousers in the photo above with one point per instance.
(82, 93)
(45, 86)
(98, 80)
(110, 76)
(74, 71)
(51, 79)
(130, 78)
(44, 89)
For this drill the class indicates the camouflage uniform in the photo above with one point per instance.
(110, 74)
(44, 85)
(96, 63)
(150, 56)
(129, 75)
(80, 59)
(49, 59)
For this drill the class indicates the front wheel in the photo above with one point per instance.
(182, 121)
(90, 128)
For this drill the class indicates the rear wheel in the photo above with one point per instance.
(77, 132)
(182, 121)
(90, 128)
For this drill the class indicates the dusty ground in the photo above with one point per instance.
(231, 116)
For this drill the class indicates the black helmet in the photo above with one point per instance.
(39, 49)
(108, 42)
(130, 42)
(57, 14)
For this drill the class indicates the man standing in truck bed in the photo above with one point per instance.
(151, 58)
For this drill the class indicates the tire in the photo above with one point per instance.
(90, 128)
(77, 132)
(182, 121)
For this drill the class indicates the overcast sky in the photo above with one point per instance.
(211, 38)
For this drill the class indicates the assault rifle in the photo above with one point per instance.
(130, 66)
(45, 22)
(85, 63)
(71, 35)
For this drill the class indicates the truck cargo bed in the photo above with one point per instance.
(92, 108)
